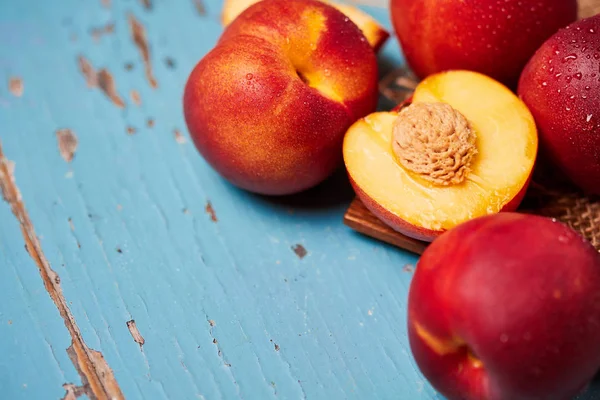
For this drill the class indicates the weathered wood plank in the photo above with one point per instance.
(225, 306)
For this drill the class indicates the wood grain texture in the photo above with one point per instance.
(96, 376)
(359, 218)
(225, 306)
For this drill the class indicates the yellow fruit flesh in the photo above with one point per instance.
(506, 144)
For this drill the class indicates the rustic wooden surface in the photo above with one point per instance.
(359, 218)
(131, 270)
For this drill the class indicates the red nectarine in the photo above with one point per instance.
(493, 37)
(269, 105)
(507, 307)
(561, 87)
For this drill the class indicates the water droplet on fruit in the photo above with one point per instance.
(563, 239)
(587, 88)
(592, 30)
(572, 97)
(504, 338)
(558, 75)
(589, 117)
(544, 83)
(583, 96)
(568, 108)
(570, 57)
(249, 76)
(568, 78)
(578, 76)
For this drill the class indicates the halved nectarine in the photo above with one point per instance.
(465, 147)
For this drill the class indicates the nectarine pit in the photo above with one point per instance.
(434, 141)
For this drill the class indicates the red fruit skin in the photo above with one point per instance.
(561, 87)
(519, 291)
(251, 115)
(493, 37)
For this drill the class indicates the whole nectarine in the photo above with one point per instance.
(507, 307)
(268, 106)
(493, 37)
(465, 147)
(561, 87)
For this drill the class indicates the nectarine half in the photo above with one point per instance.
(465, 147)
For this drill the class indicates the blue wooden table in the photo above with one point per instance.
(130, 268)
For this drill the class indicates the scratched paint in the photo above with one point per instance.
(98, 32)
(67, 144)
(200, 8)
(135, 333)
(135, 97)
(138, 35)
(15, 86)
(102, 79)
(211, 300)
(96, 375)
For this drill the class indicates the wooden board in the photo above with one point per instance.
(233, 295)
(359, 218)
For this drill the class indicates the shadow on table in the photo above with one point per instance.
(592, 392)
(334, 192)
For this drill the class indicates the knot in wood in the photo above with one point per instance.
(434, 141)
